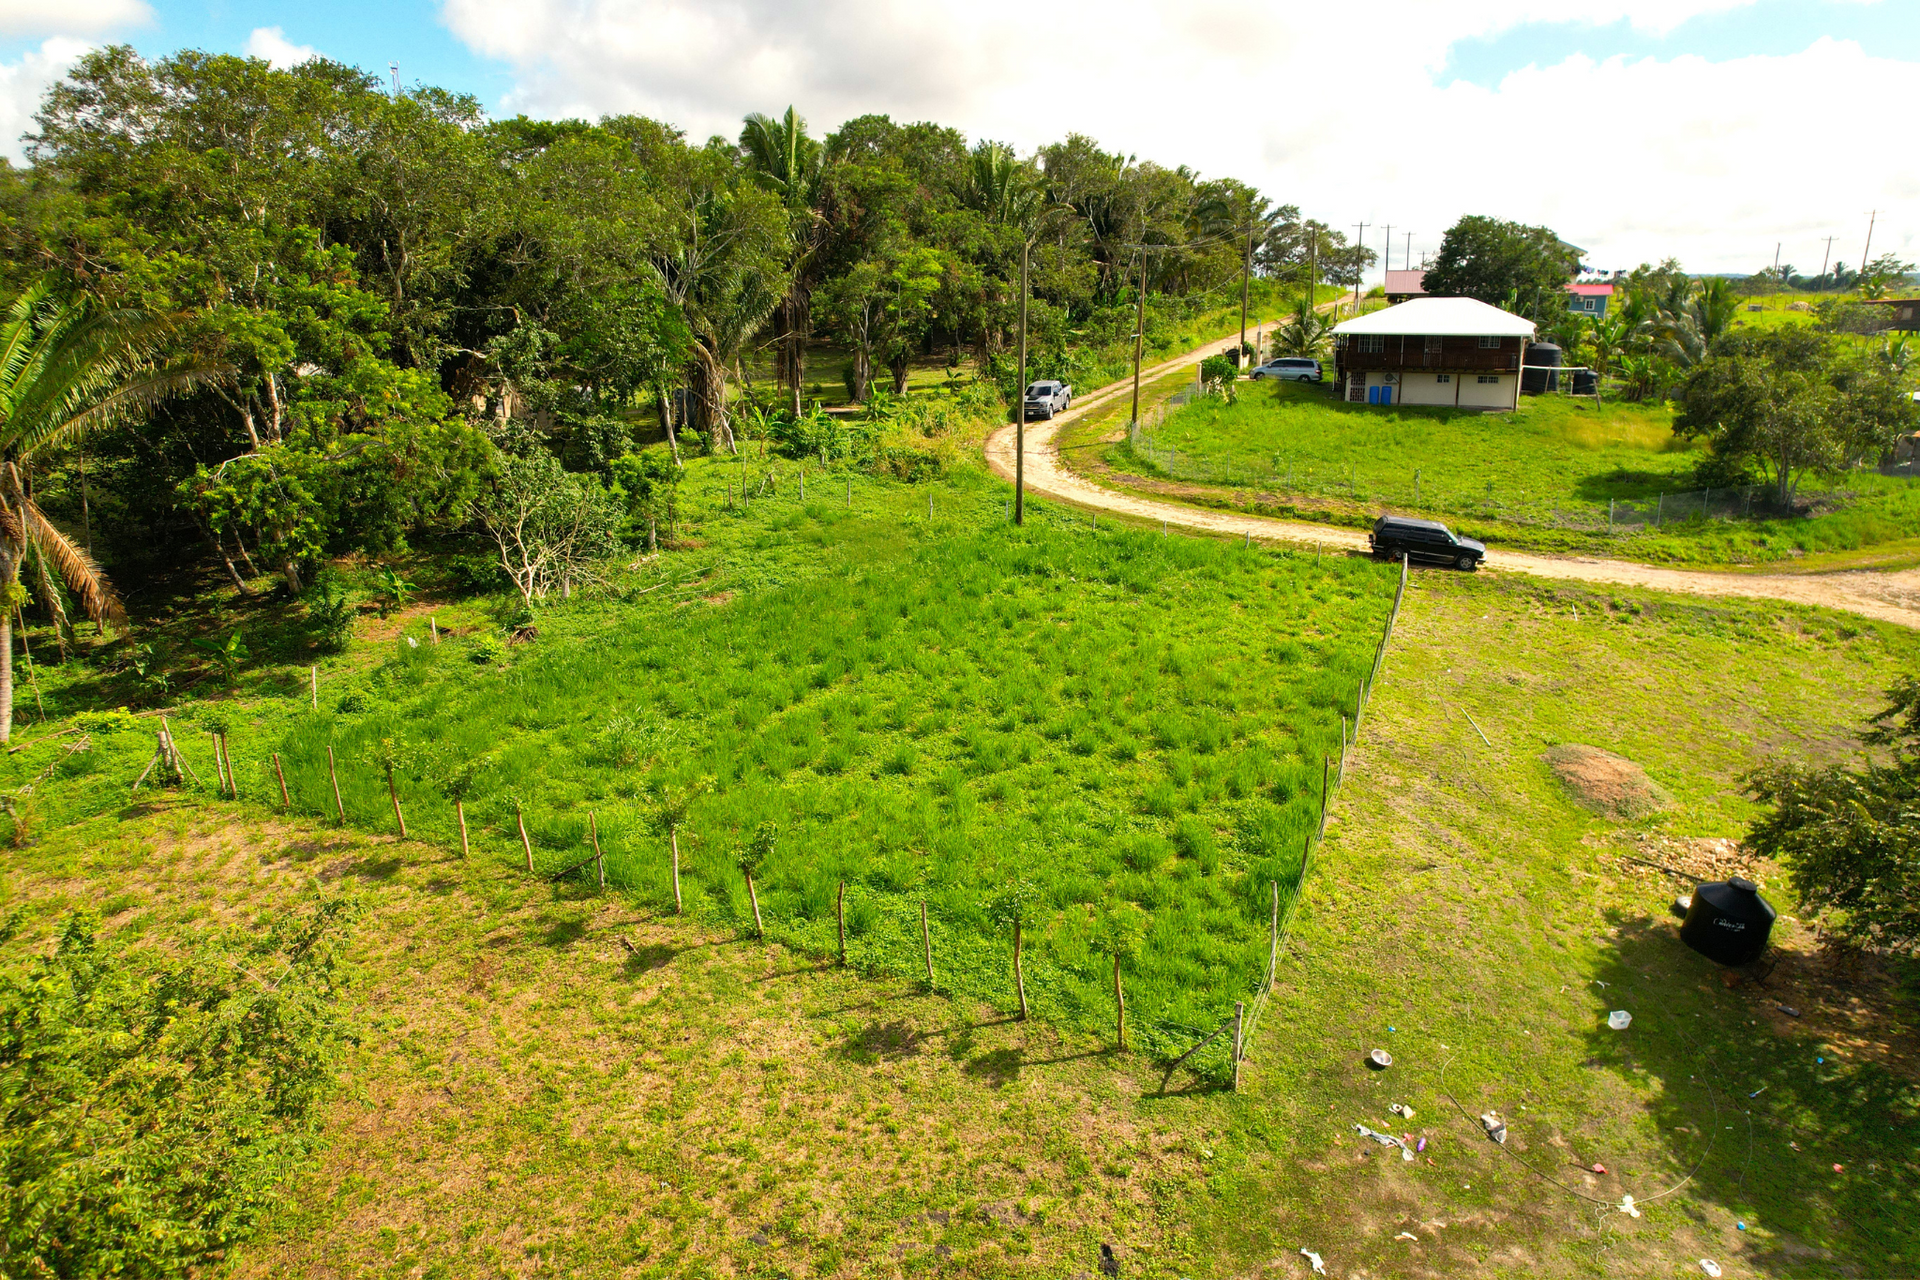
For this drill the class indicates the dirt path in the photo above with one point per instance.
(1890, 597)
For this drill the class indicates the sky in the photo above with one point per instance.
(1718, 132)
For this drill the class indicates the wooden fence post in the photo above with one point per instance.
(599, 859)
(926, 942)
(333, 776)
(1119, 1004)
(526, 845)
(753, 896)
(1273, 941)
(1239, 1047)
(314, 673)
(1019, 978)
(1326, 773)
(286, 801)
(673, 836)
(219, 764)
(393, 794)
(460, 812)
(840, 918)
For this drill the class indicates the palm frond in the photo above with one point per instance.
(49, 592)
(124, 402)
(87, 580)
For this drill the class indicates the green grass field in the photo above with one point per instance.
(1546, 476)
(926, 709)
(527, 1095)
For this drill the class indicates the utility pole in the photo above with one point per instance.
(1408, 264)
(1246, 280)
(1139, 334)
(1871, 218)
(1360, 242)
(1387, 263)
(1020, 400)
(1313, 263)
(1824, 257)
(394, 67)
(1776, 257)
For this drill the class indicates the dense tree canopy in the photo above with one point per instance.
(1505, 264)
(390, 282)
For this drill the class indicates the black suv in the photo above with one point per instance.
(1424, 540)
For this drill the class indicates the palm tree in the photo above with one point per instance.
(789, 163)
(1305, 333)
(1608, 335)
(67, 369)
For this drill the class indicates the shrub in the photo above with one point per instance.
(149, 1106)
(488, 650)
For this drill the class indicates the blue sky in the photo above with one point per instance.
(1771, 27)
(1707, 130)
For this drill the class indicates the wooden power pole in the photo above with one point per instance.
(1020, 403)
(1246, 280)
(1139, 333)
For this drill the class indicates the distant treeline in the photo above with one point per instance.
(394, 287)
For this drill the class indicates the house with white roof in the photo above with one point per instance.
(1433, 351)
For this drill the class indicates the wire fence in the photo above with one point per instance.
(1413, 491)
(1237, 1028)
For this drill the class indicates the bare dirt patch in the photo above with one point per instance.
(1606, 783)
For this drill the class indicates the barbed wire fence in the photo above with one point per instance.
(1238, 1027)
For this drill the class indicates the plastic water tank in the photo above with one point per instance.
(1536, 381)
(1728, 922)
(1585, 382)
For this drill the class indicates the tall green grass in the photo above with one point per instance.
(1113, 717)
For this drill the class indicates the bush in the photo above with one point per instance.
(475, 575)
(149, 1106)
(1218, 369)
(488, 650)
(1848, 837)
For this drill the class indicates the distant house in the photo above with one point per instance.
(1589, 299)
(1403, 285)
(1905, 315)
(1433, 351)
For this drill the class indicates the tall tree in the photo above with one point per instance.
(789, 163)
(1503, 264)
(66, 370)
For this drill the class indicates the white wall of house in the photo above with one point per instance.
(1489, 390)
(1428, 388)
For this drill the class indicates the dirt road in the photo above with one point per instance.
(1890, 597)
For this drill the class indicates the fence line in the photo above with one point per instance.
(1243, 1022)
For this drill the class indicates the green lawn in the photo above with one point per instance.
(528, 1094)
(1557, 474)
(926, 709)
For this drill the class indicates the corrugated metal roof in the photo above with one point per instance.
(1591, 290)
(1406, 281)
(1441, 317)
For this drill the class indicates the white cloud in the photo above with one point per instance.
(70, 17)
(23, 83)
(271, 43)
(1712, 162)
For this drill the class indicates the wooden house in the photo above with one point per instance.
(1433, 351)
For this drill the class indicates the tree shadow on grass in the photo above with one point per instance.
(880, 1042)
(1768, 1160)
(655, 955)
(997, 1068)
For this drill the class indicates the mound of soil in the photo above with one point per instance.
(1604, 782)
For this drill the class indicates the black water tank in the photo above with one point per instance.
(1534, 381)
(1586, 382)
(1728, 922)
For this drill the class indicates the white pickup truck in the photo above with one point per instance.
(1046, 398)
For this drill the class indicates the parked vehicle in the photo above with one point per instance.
(1044, 399)
(1426, 541)
(1291, 369)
